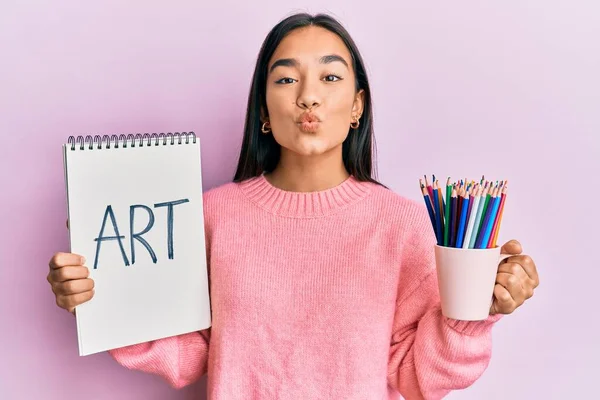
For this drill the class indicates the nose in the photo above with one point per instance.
(308, 97)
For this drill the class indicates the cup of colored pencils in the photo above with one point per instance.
(470, 213)
(466, 222)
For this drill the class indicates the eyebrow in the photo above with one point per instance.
(292, 62)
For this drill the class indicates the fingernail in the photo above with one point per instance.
(82, 260)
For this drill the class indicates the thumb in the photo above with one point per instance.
(512, 247)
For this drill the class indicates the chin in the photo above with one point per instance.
(311, 146)
(309, 143)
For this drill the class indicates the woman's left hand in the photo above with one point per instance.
(516, 278)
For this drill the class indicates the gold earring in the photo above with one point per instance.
(264, 129)
(356, 123)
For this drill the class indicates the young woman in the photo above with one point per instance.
(322, 280)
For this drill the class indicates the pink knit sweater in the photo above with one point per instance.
(322, 295)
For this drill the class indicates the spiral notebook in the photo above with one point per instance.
(135, 213)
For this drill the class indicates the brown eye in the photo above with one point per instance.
(332, 78)
(285, 81)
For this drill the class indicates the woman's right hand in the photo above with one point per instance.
(69, 280)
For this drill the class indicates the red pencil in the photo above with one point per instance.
(430, 190)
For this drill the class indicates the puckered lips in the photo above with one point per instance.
(308, 122)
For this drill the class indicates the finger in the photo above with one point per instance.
(512, 247)
(517, 270)
(60, 260)
(68, 273)
(73, 287)
(72, 301)
(503, 302)
(513, 285)
(514, 268)
(528, 266)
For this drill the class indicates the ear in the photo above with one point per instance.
(357, 106)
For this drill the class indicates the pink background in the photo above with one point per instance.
(509, 89)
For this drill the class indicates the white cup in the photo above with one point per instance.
(466, 280)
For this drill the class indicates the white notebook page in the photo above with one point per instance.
(163, 291)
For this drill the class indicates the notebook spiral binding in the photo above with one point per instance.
(140, 139)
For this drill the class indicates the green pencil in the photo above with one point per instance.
(486, 202)
(446, 226)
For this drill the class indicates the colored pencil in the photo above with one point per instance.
(429, 190)
(459, 196)
(447, 213)
(468, 215)
(485, 217)
(493, 222)
(441, 207)
(486, 220)
(472, 218)
(463, 218)
(428, 204)
(471, 199)
(478, 217)
(490, 225)
(485, 205)
(499, 219)
(442, 203)
(453, 216)
(457, 214)
(436, 207)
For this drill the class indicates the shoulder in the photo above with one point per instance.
(219, 199)
(218, 204)
(219, 193)
(408, 220)
(400, 208)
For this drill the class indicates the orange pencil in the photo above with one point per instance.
(440, 203)
(498, 221)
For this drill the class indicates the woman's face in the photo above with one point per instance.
(311, 92)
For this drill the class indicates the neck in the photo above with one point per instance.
(296, 173)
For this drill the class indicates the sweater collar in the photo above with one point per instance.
(304, 204)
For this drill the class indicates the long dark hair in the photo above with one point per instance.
(260, 153)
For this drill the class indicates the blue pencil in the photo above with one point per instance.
(485, 222)
(438, 221)
(488, 229)
(463, 218)
(429, 208)
(478, 217)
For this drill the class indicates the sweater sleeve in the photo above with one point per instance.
(180, 360)
(431, 355)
